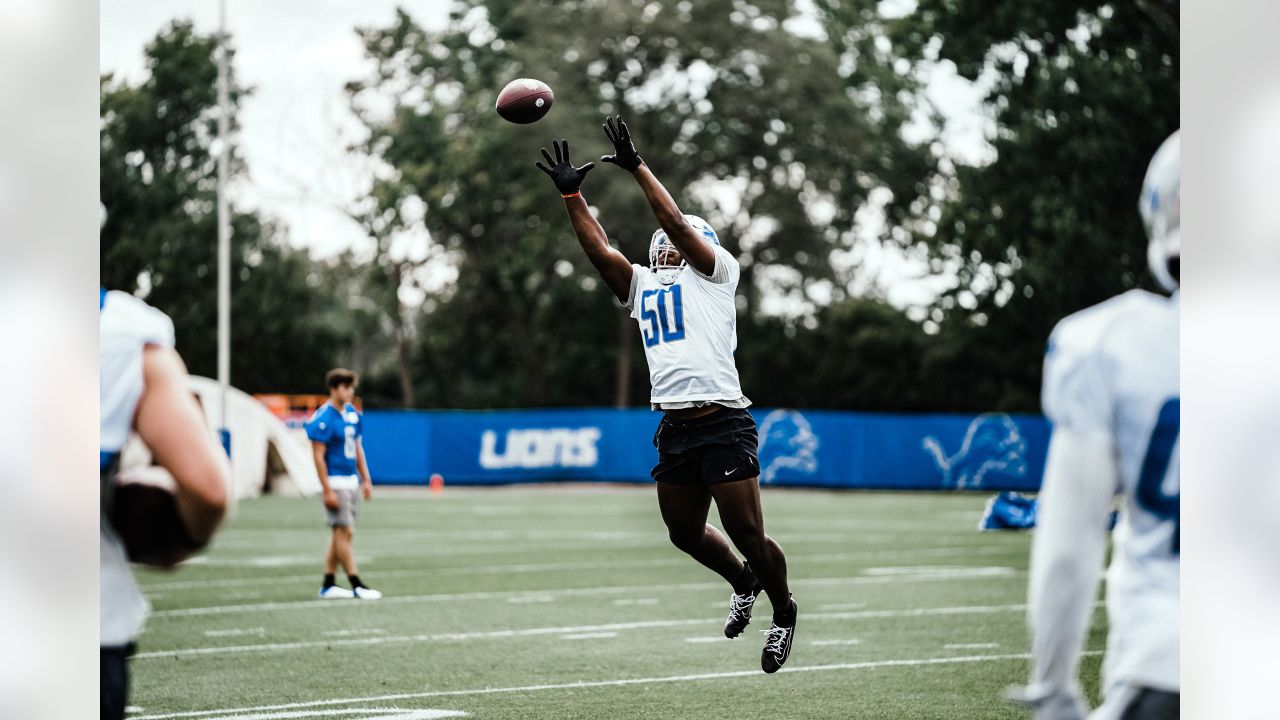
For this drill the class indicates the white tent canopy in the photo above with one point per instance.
(266, 455)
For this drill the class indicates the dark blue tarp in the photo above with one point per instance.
(797, 447)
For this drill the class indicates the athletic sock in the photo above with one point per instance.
(745, 583)
(355, 581)
(787, 617)
(328, 581)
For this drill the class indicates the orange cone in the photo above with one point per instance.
(436, 484)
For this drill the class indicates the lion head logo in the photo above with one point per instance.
(787, 441)
(992, 445)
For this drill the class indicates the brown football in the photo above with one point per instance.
(524, 101)
(144, 513)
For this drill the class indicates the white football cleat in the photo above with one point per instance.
(335, 592)
(365, 593)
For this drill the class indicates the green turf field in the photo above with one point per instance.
(568, 602)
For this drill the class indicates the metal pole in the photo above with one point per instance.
(224, 231)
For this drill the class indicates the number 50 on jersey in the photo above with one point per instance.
(664, 312)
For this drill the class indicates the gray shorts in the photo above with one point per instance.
(345, 515)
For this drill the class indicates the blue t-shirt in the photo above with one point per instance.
(339, 431)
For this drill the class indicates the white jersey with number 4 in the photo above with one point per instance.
(689, 330)
(1111, 373)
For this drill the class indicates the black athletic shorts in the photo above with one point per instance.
(717, 447)
(115, 681)
(1153, 705)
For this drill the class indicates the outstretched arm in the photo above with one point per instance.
(1067, 553)
(698, 253)
(613, 266)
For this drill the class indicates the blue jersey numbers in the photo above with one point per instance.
(664, 312)
(1154, 494)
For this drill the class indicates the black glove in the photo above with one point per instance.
(624, 153)
(566, 177)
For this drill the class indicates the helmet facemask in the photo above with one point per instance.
(662, 251)
(662, 260)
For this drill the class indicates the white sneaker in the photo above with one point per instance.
(335, 592)
(365, 593)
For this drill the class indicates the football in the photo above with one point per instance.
(144, 513)
(524, 101)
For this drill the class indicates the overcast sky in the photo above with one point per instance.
(298, 54)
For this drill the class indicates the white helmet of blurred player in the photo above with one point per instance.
(1161, 208)
(661, 249)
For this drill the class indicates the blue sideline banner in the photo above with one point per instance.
(797, 448)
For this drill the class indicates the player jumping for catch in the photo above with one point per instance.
(684, 304)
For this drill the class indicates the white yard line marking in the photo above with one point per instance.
(583, 684)
(836, 642)
(709, 639)
(372, 713)
(530, 599)
(397, 538)
(236, 632)
(425, 637)
(857, 524)
(636, 601)
(355, 632)
(424, 572)
(531, 632)
(940, 571)
(971, 646)
(317, 603)
(589, 636)
(915, 569)
(372, 552)
(153, 587)
(843, 606)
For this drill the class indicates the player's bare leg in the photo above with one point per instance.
(333, 557)
(738, 503)
(684, 510)
(346, 556)
(331, 554)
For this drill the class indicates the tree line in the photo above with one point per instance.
(786, 138)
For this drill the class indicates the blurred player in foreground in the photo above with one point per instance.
(1111, 391)
(144, 388)
(336, 431)
(707, 442)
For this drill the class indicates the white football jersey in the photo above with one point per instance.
(690, 332)
(1111, 373)
(127, 325)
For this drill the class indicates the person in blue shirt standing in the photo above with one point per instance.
(335, 431)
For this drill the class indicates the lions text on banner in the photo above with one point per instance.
(797, 448)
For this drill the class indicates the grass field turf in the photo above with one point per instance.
(569, 602)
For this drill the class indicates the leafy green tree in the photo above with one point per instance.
(748, 123)
(1082, 93)
(859, 354)
(158, 185)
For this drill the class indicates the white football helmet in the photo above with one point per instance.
(1161, 208)
(660, 249)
